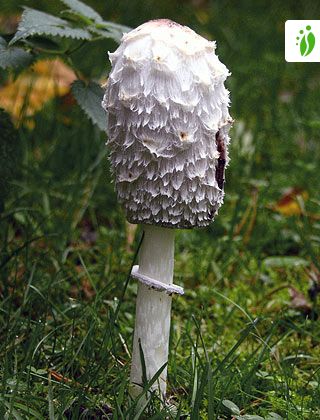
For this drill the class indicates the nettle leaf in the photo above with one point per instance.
(41, 42)
(34, 22)
(13, 56)
(110, 30)
(89, 97)
(105, 33)
(82, 9)
(95, 22)
(116, 27)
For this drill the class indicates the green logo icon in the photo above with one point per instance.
(306, 40)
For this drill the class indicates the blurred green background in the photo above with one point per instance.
(65, 247)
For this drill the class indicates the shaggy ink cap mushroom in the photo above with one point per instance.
(168, 125)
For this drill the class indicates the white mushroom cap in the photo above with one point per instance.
(168, 124)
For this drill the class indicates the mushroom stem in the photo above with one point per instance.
(152, 325)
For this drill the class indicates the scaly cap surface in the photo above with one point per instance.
(168, 125)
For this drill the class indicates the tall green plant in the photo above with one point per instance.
(41, 35)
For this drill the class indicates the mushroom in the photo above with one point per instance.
(168, 125)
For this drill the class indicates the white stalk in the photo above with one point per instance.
(153, 308)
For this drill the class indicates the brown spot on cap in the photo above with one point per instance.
(183, 136)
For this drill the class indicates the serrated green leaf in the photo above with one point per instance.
(13, 56)
(231, 406)
(116, 26)
(89, 97)
(45, 44)
(111, 26)
(116, 36)
(34, 22)
(83, 10)
(110, 30)
(250, 417)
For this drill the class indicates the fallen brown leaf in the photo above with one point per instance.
(38, 84)
(288, 204)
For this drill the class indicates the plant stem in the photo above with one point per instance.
(153, 309)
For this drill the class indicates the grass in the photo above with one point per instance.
(245, 337)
